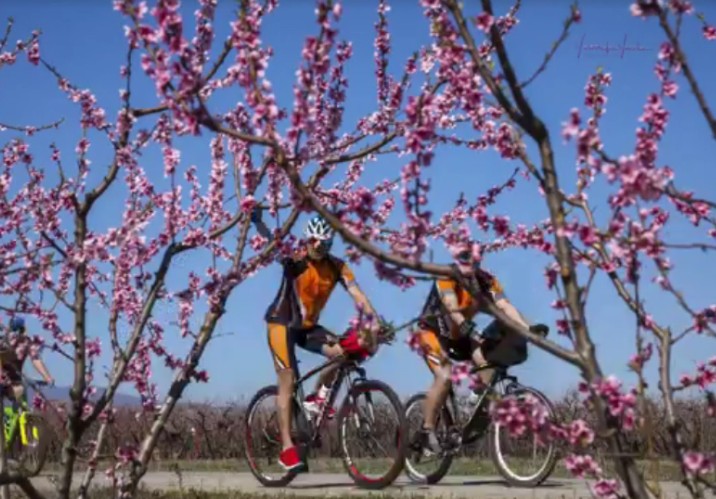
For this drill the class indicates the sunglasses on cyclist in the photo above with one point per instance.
(464, 257)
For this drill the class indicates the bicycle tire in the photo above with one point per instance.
(249, 452)
(397, 467)
(496, 454)
(445, 462)
(38, 423)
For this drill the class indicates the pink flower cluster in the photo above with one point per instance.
(705, 375)
(620, 405)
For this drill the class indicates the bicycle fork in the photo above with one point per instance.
(14, 421)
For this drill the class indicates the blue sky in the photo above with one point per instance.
(86, 42)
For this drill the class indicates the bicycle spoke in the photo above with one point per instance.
(377, 444)
(263, 438)
(370, 423)
(420, 467)
(524, 459)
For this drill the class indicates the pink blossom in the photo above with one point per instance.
(521, 415)
(258, 242)
(563, 327)
(580, 433)
(248, 204)
(639, 359)
(571, 129)
(82, 146)
(606, 488)
(582, 466)
(709, 32)
(33, 52)
(645, 8)
(127, 454)
(697, 463)
(588, 235)
(668, 53)
(484, 22)
(201, 376)
(551, 274)
(681, 6)
(501, 225)
(620, 405)
(670, 88)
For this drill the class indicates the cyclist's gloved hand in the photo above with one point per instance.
(539, 329)
(352, 347)
(467, 328)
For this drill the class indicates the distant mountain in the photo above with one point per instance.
(62, 394)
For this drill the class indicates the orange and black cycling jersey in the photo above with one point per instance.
(305, 288)
(439, 319)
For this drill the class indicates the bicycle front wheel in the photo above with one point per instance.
(523, 461)
(372, 436)
(31, 445)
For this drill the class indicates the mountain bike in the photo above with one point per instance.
(455, 431)
(26, 433)
(359, 411)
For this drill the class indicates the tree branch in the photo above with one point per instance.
(674, 40)
(31, 129)
(555, 46)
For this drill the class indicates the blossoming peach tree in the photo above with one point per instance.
(461, 90)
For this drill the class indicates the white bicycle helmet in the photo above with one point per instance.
(319, 229)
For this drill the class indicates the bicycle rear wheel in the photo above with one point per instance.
(262, 440)
(522, 467)
(372, 434)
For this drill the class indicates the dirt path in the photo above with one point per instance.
(337, 484)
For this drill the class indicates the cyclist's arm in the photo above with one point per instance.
(42, 369)
(511, 312)
(446, 290)
(349, 282)
(501, 302)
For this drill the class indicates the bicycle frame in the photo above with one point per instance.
(471, 430)
(15, 417)
(345, 369)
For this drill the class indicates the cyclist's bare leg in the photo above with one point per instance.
(18, 391)
(328, 375)
(479, 359)
(281, 352)
(286, 380)
(436, 396)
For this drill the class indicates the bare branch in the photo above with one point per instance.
(363, 152)
(31, 129)
(8, 30)
(555, 46)
(212, 125)
(690, 77)
(699, 246)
